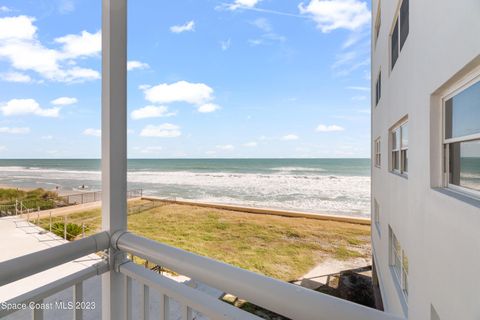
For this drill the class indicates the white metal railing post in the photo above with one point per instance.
(145, 303)
(37, 313)
(65, 227)
(114, 147)
(77, 300)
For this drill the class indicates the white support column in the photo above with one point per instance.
(114, 145)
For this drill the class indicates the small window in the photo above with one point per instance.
(378, 22)
(376, 212)
(399, 150)
(378, 153)
(462, 139)
(401, 29)
(378, 88)
(399, 262)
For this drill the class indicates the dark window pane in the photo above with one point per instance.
(394, 44)
(404, 22)
(378, 89)
(462, 113)
(465, 164)
(404, 160)
(395, 160)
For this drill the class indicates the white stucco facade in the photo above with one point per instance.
(438, 228)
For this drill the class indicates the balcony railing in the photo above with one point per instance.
(280, 297)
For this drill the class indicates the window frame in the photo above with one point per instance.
(378, 152)
(397, 20)
(400, 272)
(467, 82)
(398, 148)
(376, 215)
(378, 23)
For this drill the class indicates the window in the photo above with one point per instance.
(462, 139)
(399, 262)
(394, 44)
(376, 212)
(378, 22)
(378, 154)
(399, 152)
(378, 88)
(404, 22)
(401, 28)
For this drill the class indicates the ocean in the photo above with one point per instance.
(335, 186)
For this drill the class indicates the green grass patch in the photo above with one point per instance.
(280, 247)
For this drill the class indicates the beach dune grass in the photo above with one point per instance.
(32, 199)
(280, 247)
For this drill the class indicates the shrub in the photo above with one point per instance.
(73, 230)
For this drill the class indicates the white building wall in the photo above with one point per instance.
(439, 231)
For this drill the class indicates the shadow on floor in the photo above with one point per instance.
(353, 285)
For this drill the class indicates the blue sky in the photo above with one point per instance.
(237, 78)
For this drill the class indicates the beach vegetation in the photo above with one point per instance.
(73, 230)
(30, 199)
(280, 247)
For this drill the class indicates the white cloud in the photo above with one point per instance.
(225, 45)
(358, 88)
(268, 36)
(255, 42)
(81, 45)
(5, 9)
(252, 144)
(226, 147)
(347, 62)
(263, 24)
(17, 28)
(92, 132)
(64, 101)
(15, 130)
(3, 148)
(188, 26)
(151, 112)
(337, 14)
(181, 91)
(330, 128)
(19, 107)
(166, 130)
(48, 137)
(208, 107)
(15, 77)
(239, 4)
(134, 65)
(290, 137)
(19, 45)
(198, 94)
(66, 6)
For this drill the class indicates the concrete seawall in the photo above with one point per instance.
(283, 213)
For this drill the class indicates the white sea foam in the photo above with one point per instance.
(308, 192)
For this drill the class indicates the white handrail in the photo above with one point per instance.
(24, 266)
(283, 298)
